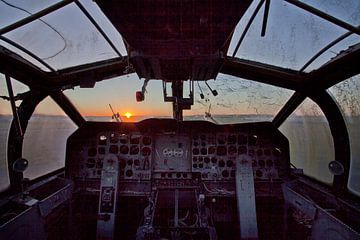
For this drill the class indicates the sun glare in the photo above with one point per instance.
(128, 115)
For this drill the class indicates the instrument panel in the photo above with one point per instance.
(166, 149)
(215, 155)
(133, 152)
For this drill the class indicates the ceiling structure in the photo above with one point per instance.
(32, 53)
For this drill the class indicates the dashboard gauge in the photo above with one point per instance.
(172, 153)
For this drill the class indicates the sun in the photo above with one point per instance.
(128, 115)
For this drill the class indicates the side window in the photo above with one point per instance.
(45, 139)
(5, 121)
(347, 95)
(311, 143)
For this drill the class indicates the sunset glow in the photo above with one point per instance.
(128, 115)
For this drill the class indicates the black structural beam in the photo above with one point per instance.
(264, 73)
(342, 67)
(22, 70)
(35, 16)
(265, 19)
(19, 130)
(27, 52)
(67, 106)
(296, 99)
(89, 74)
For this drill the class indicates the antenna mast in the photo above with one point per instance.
(115, 116)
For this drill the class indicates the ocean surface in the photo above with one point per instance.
(311, 146)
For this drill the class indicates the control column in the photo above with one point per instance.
(107, 201)
(245, 196)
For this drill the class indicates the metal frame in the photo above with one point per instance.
(337, 127)
(86, 74)
(290, 106)
(340, 137)
(15, 144)
(14, 44)
(342, 67)
(67, 106)
(22, 70)
(15, 113)
(250, 70)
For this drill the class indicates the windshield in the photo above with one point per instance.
(5, 121)
(238, 100)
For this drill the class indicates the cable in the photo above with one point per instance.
(293, 166)
(5, 98)
(218, 190)
(201, 92)
(186, 216)
(51, 27)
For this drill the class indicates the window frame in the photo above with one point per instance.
(345, 117)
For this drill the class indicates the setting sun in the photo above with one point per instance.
(128, 115)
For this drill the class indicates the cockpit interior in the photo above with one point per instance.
(181, 119)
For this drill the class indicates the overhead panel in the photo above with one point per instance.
(175, 40)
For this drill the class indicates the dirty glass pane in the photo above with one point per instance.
(62, 42)
(292, 37)
(106, 25)
(348, 11)
(12, 11)
(5, 121)
(344, 45)
(23, 55)
(45, 139)
(347, 95)
(311, 143)
(93, 103)
(238, 100)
